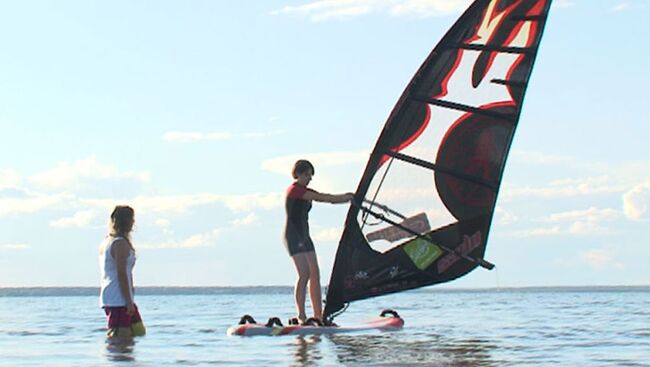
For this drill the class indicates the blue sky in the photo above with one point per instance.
(193, 112)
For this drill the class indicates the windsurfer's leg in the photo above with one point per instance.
(302, 268)
(314, 285)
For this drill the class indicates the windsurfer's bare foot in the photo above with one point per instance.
(313, 321)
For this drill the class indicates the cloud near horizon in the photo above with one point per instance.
(70, 175)
(565, 188)
(587, 222)
(592, 214)
(600, 258)
(579, 228)
(199, 240)
(247, 220)
(14, 247)
(9, 178)
(284, 164)
(182, 203)
(79, 219)
(534, 157)
(331, 234)
(636, 202)
(27, 202)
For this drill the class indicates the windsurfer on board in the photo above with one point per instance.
(297, 238)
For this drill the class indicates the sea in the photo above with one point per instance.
(590, 326)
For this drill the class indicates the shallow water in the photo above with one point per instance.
(515, 327)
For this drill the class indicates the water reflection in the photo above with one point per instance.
(307, 350)
(120, 349)
(433, 350)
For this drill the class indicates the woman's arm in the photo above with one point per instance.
(328, 198)
(120, 252)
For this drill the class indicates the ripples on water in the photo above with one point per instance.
(538, 327)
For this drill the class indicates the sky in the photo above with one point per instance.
(193, 113)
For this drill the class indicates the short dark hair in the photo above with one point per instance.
(301, 166)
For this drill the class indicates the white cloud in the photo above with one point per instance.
(504, 217)
(162, 222)
(588, 228)
(332, 234)
(537, 232)
(636, 202)
(600, 258)
(241, 203)
(565, 188)
(249, 219)
(79, 219)
(573, 223)
(621, 7)
(533, 157)
(66, 175)
(323, 10)
(14, 247)
(182, 203)
(195, 241)
(592, 214)
(283, 165)
(155, 204)
(32, 202)
(9, 178)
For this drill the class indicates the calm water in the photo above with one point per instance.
(517, 327)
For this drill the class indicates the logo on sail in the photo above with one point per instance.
(422, 252)
(468, 245)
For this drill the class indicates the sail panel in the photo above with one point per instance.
(440, 158)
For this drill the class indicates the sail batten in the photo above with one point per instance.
(437, 165)
(512, 83)
(437, 168)
(463, 107)
(492, 48)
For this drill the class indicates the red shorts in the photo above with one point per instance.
(118, 318)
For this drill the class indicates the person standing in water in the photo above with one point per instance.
(298, 241)
(116, 261)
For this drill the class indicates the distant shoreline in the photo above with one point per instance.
(242, 290)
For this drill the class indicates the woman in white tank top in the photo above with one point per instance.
(116, 261)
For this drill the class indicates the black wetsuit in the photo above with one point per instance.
(296, 232)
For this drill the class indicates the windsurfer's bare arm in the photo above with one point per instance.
(328, 198)
(120, 252)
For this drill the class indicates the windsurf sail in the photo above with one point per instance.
(427, 196)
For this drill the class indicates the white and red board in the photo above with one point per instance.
(380, 323)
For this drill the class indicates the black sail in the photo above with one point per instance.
(427, 196)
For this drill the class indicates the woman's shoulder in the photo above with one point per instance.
(115, 241)
(296, 191)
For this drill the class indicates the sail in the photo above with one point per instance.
(426, 199)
